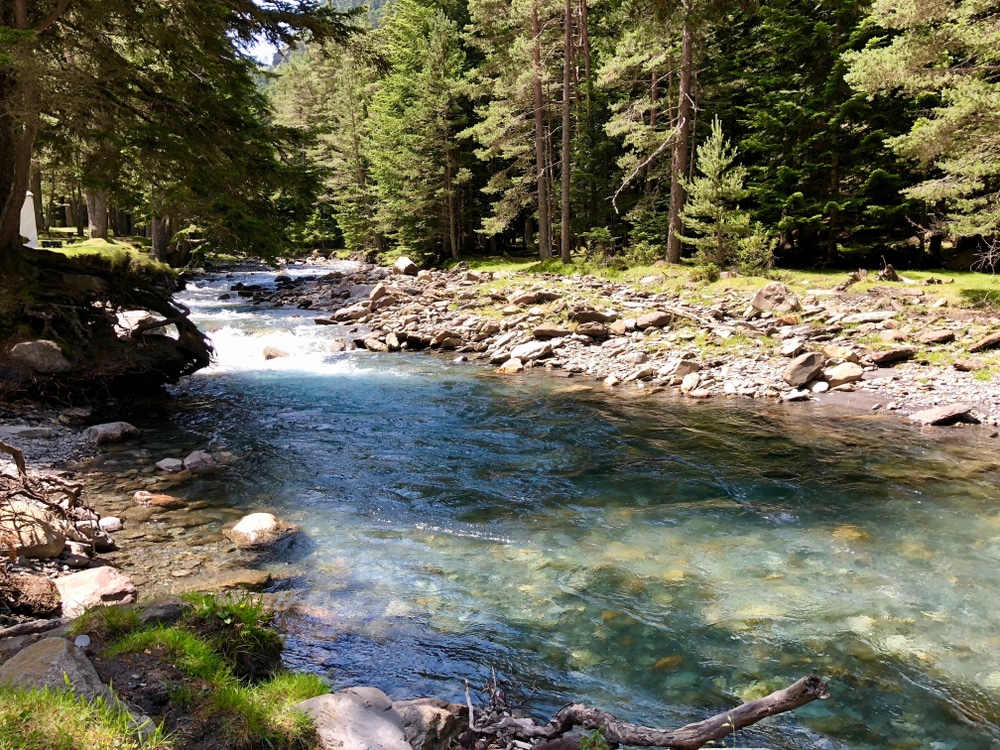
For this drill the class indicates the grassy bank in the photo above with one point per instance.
(211, 680)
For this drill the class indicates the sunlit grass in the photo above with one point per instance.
(56, 720)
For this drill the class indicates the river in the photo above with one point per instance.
(646, 554)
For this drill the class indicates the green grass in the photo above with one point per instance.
(258, 715)
(210, 646)
(58, 720)
(959, 288)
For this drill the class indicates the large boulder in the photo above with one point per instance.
(259, 531)
(431, 724)
(842, 374)
(776, 297)
(110, 432)
(96, 587)
(40, 356)
(360, 718)
(56, 664)
(803, 368)
(404, 266)
(34, 532)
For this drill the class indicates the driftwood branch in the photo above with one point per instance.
(556, 735)
(18, 457)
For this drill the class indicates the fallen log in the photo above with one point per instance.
(556, 735)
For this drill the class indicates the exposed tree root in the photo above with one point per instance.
(77, 302)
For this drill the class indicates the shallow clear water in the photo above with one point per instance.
(658, 558)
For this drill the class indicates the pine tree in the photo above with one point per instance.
(947, 56)
(416, 116)
(327, 92)
(713, 222)
(181, 95)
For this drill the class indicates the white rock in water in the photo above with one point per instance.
(170, 465)
(200, 461)
(259, 530)
(111, 523)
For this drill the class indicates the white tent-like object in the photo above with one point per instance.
(28, 227)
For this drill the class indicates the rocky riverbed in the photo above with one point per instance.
(896, 348)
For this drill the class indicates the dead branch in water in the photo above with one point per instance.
(506, 730)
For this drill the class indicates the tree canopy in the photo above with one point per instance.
(158, 103)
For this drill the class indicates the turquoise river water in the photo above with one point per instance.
(655, 557)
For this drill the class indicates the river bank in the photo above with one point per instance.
(896, 347)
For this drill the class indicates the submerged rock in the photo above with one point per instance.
(197, 461)
(110, 432)
(944, 415)
(259, 531)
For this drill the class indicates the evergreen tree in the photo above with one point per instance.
(178, 90)
(713, 222)
(819, 169)
(416, 116)
(327, 92)
(945, 55)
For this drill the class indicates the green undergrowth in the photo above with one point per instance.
(58, 720)
(226, 681)
(963, 289)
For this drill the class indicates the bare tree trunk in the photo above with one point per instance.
(541, 178)
(450, 197)
(97, 214)
(36, 190)
(80, 203)
(17, 138)
(564, 238)
(160, 237)
(679, 156)
(654, 114)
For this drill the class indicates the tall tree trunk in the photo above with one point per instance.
(679, 155)
(654, 114)
(17, 138)
(160, 237)
(97, 214)
(80, 201)
(541, 178)
(564, 238)
(36, 190)
(450, 196)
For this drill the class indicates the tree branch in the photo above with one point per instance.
(53, 16)
(689, 737)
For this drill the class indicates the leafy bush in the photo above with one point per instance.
(709, 273)
(755, 252)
